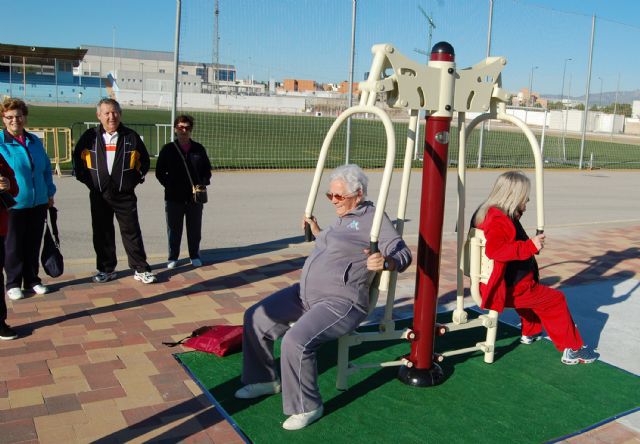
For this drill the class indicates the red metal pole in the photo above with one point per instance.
(422, 370)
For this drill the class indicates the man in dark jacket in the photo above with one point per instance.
(111, 160)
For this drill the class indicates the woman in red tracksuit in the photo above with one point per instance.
(7, 185)
(514, 280)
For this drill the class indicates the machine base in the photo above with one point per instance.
(419, 377)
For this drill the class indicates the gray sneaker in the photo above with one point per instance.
(581, 356)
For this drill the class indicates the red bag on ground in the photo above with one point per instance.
(221, 340)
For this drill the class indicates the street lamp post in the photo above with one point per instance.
(564, 72)
(142, 84)
(600, 78)
(564, 115)
(531, 85)
(615, 107)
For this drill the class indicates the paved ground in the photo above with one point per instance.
(90, 366)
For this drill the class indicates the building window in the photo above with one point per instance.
(185, 73)
(161, 71)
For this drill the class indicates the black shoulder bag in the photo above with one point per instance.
(199, 191)
(51, 257)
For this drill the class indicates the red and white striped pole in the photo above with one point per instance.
(421, 370)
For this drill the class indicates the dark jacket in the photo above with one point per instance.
(172, 175)
(130, 165)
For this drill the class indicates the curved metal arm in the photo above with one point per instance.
(388, 168)
(537, 156)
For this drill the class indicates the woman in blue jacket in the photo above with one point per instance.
(27, 157)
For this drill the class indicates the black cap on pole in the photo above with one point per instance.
(443, 48)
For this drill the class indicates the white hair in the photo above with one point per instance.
(109, 101)
(353, 177)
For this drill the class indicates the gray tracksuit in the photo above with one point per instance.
(330, 301)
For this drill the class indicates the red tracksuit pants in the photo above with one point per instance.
(540, 306)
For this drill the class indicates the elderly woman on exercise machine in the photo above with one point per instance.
(514, 280)
(331, 300)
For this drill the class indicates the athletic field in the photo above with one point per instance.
(271, 141)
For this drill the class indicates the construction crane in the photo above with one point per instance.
(432, 26)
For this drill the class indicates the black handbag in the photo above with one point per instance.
(200, 194)
(6, 200)
(199, 191)
(51, 257)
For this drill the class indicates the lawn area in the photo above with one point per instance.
(249, 140)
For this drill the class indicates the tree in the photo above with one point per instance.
(554, 105)
(621, 108)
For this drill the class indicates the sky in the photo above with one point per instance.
(310, 39)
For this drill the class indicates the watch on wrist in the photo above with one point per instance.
(385, 265)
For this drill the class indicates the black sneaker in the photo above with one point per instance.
(102, 277)
(7, 333)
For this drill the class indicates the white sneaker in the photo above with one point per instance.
(251, 391)
(146, 277)
(301, 420)
(15, 294)
(172, 264)
(196, 262)
(40, 289)
(528, 340)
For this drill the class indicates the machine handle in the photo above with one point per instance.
(539, 231)
(308, 235)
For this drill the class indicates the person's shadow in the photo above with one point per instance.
(586, 303)
(591, 289)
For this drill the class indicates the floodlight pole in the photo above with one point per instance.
(489, 32)
(586, 96)
(175, 66)
(351, 63)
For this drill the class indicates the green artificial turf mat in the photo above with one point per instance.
(526, 396)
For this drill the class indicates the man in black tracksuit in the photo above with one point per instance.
(111, 160)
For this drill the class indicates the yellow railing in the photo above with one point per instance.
(57, 143)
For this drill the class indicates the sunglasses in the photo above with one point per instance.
(339, 197)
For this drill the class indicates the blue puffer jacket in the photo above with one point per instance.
(32, 168)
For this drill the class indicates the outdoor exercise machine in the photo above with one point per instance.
(440, 90)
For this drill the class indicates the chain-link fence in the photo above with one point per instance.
(265, 79)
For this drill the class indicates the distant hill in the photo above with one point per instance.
(608, 97)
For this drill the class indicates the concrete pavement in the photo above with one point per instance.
(90, 365)
(262, 209)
